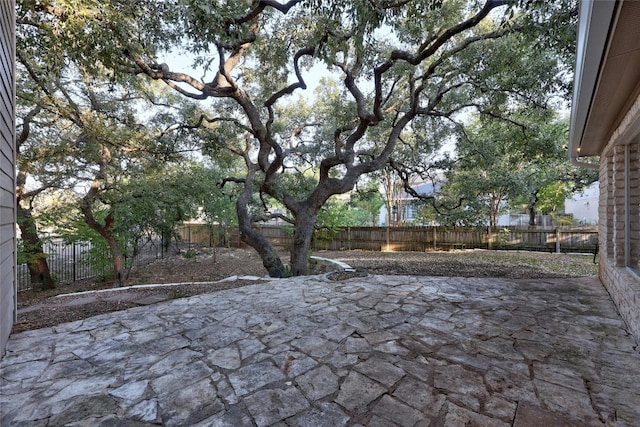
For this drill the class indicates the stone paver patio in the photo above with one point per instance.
(374, 351)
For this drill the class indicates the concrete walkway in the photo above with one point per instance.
(374, 351)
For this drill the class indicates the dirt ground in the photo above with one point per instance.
(196, 274)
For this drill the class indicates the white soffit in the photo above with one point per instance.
(594, 21)
(607, 73)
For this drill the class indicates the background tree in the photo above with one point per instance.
(550, 177)
(367, 200)
(491, 169)
(104, 138)
(507, 163)
(401, 66)
(31, 243)
(396, 199)
(165, 197)
(360, 208)
(38, 148)
(551, 198)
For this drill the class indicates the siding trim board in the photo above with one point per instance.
(8, 289)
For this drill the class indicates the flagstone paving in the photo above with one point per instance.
(307, 351)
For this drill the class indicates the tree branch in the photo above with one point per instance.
(26, 126)
(263, 4)
(270, 216)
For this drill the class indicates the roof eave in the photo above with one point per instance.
(594, 23)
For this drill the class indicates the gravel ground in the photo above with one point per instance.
(197, 274)
(69, 302)
(470, 263)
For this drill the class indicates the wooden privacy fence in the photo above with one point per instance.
(412, 239)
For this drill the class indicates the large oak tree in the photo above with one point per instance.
(395, 72)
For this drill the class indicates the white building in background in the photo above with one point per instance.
(584, 205)
(408, 204)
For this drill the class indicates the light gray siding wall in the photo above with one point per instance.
(7, 172)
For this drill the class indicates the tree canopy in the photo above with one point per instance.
(394, 73)
(502, 163)
(122, 148)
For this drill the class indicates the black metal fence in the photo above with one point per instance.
(71, 262)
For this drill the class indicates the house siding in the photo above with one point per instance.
(7, 172)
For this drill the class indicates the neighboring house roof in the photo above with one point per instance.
(607, 73)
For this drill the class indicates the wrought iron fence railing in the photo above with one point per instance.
(71, 262)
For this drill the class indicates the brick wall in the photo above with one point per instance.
(623, 287)
(633, 185)
(619, 210)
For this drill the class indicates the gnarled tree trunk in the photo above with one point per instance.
(33, 249)
(103, 229)
(107, 234)
(270, 258)
(305, 224)
(118, 259)
(32, 244)
(532, 209)
(114, 248)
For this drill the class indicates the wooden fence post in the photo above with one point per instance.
(435, 237)
(388, 236)
(558, 240)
